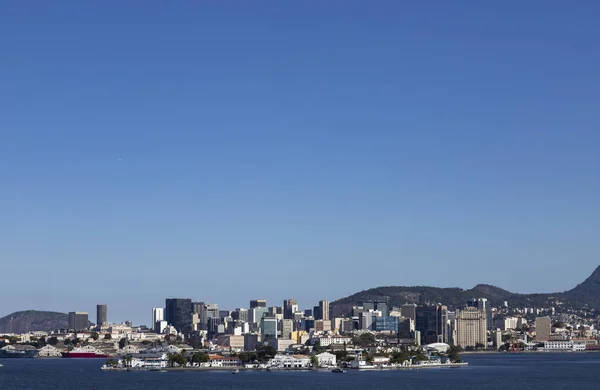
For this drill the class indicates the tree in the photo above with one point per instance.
(200, 357)
(127, 361)
(364, 340)
(369, 359)
(265, 352)
(479, 346)
(122, 343)
(176, 358)
(52, 340)
(453, 353)
(111, 363)
(108, 336)
(317, 347)
(420, 358)
(314, 361)
(94, 336)
(399, 357)
(247, 357)
(341, 355)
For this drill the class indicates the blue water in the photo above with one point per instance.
(493, 371)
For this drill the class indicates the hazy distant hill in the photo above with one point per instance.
(33, 320)
(586, 293)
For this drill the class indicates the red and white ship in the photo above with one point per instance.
(84, 352)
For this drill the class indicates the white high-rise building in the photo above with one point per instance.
(158, 314)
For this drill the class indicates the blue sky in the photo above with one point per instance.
(226, 151)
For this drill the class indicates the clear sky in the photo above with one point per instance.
(235, 150)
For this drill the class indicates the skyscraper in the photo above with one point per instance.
(258, 303)
(431, 323)
(543, 328)
(290, 306)
(178, 313)
(101, 315)
(471, 327)
(483, 304)
(382, 307)
(409, 310)
(324, 310)
(317, 313)
(268, 327)
(78, 321)
(158, 314)
(197, 307)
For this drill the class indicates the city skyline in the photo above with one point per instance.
(212, 150)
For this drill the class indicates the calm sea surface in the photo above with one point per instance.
(492, 371)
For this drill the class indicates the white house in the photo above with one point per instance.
(326, 359)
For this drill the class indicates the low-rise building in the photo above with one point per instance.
(290, 361)
(224, 361)
(49, 351)
(326, 341)
(326, 359)
(281, 345)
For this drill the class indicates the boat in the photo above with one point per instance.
(84, 353)
(339, 370)
(236, 371)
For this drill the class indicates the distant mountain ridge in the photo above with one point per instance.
(586, 293)
(33, 320)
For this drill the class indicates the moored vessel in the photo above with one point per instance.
(84, 353)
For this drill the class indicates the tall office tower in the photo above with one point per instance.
(290, 306)
(483, 304)
(255, 314)
(212, 310)
(431, 323)
(258, 303)
(197, 307)
(158, 314)
(543, 328)
(178, 313)
(471, 327)
(383, 308)
(274, 310)
(368, 306)
(317, 313)
(409, 310)
(268, 328)
(287, 327)
(101, 315)
(324, 310)
(78, 321)
(308, 313)
(240, 315)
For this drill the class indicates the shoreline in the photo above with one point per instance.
(241, 370)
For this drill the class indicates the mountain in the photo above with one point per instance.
(33, 320)
(586, 293)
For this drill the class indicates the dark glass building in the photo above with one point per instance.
(431, 323)
(178, 313)
(101, 315)
(78, 321)
(258, 303)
